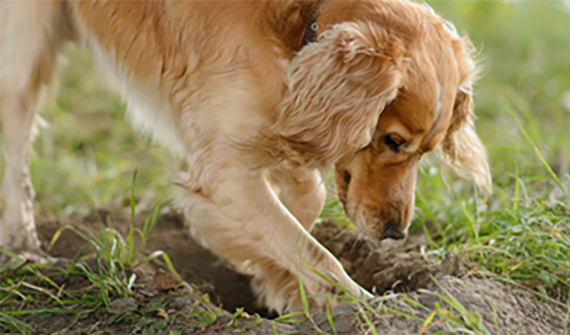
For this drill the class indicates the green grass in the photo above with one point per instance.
(522, 230)
(112, 278)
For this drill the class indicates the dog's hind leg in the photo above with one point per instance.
(28, 47)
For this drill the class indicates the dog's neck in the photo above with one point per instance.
(295, 22)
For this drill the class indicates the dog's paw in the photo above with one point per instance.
(311, 300)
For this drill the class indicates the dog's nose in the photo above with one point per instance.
(392, 232)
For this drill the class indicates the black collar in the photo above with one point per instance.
(310, 34)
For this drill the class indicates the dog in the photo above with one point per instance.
(258, 97)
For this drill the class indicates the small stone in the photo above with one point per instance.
(451, 265)
(164, 281)
(122, 305)
(181, 302)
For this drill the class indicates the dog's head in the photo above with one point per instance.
(371, 97)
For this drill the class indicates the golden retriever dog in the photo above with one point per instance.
(258, 97)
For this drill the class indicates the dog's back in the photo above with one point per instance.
(161, 55)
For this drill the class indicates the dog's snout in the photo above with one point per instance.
(392, 231)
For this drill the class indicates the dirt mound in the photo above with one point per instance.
(195, 264)
(397, 266)
(378, 267)
(489, 304)
(482, 304)
(394, 270)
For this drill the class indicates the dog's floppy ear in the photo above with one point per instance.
(462, 148)
(337, 88)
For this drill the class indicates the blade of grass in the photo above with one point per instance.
(130, 238)
(368, 322)
(539, 154)
(11, 322)
(329, 317)
(301, 286)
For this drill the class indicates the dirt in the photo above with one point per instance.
(195, 264)
(396, 271)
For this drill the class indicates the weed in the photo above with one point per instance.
(110, 279)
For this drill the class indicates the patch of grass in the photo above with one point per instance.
(24, 291)
(115, 255)
(111, 278)
(520, 232)
(13, 324)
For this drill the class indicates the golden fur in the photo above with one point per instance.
(227, 87)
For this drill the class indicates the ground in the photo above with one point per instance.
(411, 287)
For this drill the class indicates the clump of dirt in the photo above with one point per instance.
(401, 267)
(394, 270)
(396, 266)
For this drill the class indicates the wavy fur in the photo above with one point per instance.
(337, 88)
(463, 149)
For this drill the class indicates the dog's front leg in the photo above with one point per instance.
(245, 223)
(304, 198)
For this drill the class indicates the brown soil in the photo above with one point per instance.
(195, 264)
(396, 267)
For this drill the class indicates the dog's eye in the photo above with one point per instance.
(393, 142)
